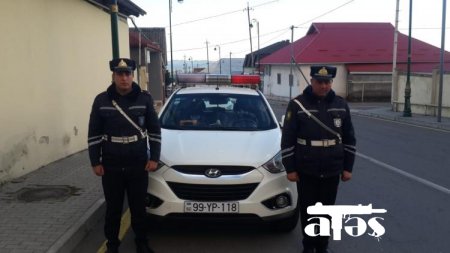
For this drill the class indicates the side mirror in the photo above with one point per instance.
(282, 121)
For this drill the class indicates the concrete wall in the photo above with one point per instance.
(272, 88)
(424, 93)
(54, 61)
(366, 87)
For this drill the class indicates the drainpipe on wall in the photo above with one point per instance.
(114, 29)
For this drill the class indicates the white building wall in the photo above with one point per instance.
(54, 61)
(273, 89)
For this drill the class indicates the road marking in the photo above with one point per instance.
(403, 173)
(124, 226)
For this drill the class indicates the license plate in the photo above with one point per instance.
(211, 207)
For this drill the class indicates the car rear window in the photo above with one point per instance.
(209, 111)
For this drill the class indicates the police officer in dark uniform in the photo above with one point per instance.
(317, 154)
(124, 145)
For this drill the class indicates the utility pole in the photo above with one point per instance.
(114, 29)
(230, 63)
(441, 66)
(170, 37)
(192, 64)
(407, 107)
(394, 60)
(250, 33)
(220, 60)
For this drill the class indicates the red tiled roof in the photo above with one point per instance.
(369, 44)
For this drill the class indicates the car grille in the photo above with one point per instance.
(200, 169)
(202, 192)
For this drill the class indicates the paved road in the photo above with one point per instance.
(401, 168)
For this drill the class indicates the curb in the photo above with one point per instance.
(72, 237)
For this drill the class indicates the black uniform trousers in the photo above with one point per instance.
(312, 189)
(116, 181)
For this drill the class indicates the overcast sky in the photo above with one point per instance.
(225, 22)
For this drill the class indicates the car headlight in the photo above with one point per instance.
(275, 165)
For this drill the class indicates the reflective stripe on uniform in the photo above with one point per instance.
(137, 107)
(287, 152)
(94, 140)
(350, 147)
(299, 112)
(154, 139)
(92, 143)
(287, 155)
(94, 137)
(107, 108)
(336, 110)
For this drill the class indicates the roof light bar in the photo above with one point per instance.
(216, 79)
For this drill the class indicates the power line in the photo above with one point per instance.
(283, 31)
(219, 15)
(328, 12)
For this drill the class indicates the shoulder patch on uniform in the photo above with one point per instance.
(288, 115)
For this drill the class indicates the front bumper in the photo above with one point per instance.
(268, 186)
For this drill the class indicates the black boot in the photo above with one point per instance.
(112, 250)
(308, 250)
(323, 250)
(142, 247)
(112, 246)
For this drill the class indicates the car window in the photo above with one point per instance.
(209, 111)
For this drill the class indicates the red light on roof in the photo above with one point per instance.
(245, 79)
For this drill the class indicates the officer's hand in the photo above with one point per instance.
(151, 165)
(292, 176)
(98, 170)
(346, 175)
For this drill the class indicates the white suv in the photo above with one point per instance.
(221, 158)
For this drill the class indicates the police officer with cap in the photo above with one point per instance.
(318, 145)
(124, 145)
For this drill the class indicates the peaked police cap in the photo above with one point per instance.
(323, 72)
(122, 65)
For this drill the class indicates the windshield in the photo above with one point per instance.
(208, 111)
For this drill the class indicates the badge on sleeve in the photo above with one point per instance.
(288, 116)
(337, 122)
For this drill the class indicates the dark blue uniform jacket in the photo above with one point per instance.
(106, 121)
(329, 161)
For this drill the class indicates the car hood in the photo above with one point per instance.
(243, 148)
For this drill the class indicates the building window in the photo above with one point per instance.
(278, 78)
